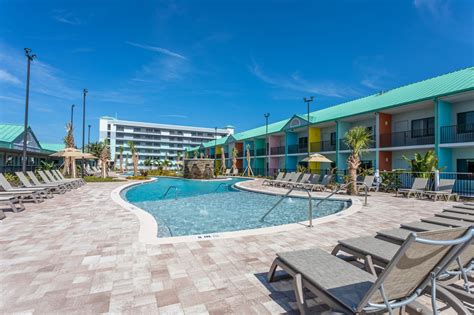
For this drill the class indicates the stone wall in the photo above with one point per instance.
(198, 168)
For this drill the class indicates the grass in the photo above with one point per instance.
(138, 177)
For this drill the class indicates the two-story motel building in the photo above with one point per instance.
(435, 114)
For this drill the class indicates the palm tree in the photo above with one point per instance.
(357, 139)
(121, 158)
(69, 142)
(104, 158)
(423, 165)
(148, 162)
(235, 152)
(126, 162)
(134, 152)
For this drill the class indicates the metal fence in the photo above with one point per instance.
(463, 186)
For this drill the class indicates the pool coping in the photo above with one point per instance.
(149, 227)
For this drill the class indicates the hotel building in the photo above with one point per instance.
(155, 141)
(435, 114)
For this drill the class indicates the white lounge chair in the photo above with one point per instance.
(417, 189)
(445, 191)
(50, 187)
(37, 194)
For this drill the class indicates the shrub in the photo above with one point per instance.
(95, 179)
(12, 179)
(143, 173)
(138, 177)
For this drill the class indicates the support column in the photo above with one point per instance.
(290, 139)
(314, 136)
(442, 118)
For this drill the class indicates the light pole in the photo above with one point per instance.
(72, 115)
(215, 149)
(267, 146)
(88, 138)
(29, 58)
(84, 93)
(307, 101)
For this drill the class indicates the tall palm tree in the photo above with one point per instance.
(104, 158)
(134, 152)
(235, 153)
(69, 143)
(357, 139)
(121, 158)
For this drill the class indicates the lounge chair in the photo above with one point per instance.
(50, 187)
(445, 191)
(456, 216)
(464, 206)
(61, 177)
(369, 182)
(235, 172)
(350, 290)
(227, 172)
(25, 192)
(270, 181)
(47, 179)
(447, 221)
(36, 181)
(323, 185)
(375, 252)
(303, 180)
(314, 180)
(55, 178)
(289, 180)
(10, 202)
(418, 187)
(459, 210)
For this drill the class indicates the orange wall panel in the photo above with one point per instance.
(385, 160)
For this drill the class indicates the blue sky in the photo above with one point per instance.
(213, 63)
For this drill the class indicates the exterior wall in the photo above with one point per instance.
(461, 153)
(460, 107)
(397, 160)
(402, 121)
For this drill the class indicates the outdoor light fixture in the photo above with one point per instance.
(84, 93)
(307, 101)
(267, 146)
(29, 58)
(72, 115)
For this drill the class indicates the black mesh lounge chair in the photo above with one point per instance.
(48, 180)
(279, 177)
(56, 179)
(417, 189)
(60, 177)
(456, 216)
(51, 188)
(350, 290)
(447, 221)
(323, 185)
(465, 206)
(460, 210)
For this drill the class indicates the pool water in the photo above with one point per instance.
(205, 207)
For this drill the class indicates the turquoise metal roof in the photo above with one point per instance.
(53, 147)
(9, 132)
(447, 84)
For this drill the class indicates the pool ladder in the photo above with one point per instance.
(168, 190)
(220, 185)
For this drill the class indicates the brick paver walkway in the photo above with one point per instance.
(79, 253)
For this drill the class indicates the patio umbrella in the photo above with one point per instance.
(70, 156)
(316, 157)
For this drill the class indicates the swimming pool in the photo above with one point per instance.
(207, 207)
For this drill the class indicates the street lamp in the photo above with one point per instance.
(29, 58)
(88, 138)
(72, 115)
(84, 93)
(215, 148)
(307, 101)
(267, 146)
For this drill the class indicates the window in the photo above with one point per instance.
(303, 142)
(422, 127)
(466, 122)
(333, 138)
(465, 165)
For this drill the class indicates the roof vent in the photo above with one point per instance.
(381, 92)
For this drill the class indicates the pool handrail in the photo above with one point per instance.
(310, 205)
(167, 191)
(221, 184)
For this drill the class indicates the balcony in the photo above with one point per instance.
(457, 134)
(343, 146)
(261, 152)
(297, 148)
(277, 150)
(322, 146)
(407, 138)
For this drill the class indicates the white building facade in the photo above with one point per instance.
(155, 141)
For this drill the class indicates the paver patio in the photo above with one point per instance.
(79, 253)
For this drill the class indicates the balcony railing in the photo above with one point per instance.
(240, 154)
(457, 134)
(407, 138)
(261, 152)
(277, 150)
(344, 146)
(322, 146)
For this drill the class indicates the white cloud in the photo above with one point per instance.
(296, 83)
(7, 77)
(66, 17)
(174, 116)
(157, 49)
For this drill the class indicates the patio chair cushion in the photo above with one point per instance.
(344, 282)
(399, 235)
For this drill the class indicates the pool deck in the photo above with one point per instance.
(80, 253)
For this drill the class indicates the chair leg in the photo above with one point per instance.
(298, 285)
(369, 265)
(271, 272)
